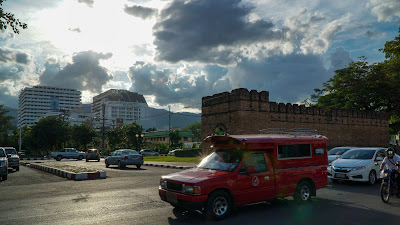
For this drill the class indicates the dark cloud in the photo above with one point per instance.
(87, 2)
(77, 30)
(340, 59)
(207, 31)
(12, 56)
(85, 73)
(288, 78)
(169, 87)
(140, 11)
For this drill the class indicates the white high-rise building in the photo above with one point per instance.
(119, 107)
(37, 101)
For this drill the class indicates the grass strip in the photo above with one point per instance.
(195, 160)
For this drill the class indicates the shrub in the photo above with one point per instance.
(188, 153)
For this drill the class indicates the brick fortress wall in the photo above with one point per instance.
(244, 112)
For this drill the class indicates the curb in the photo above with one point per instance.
(169, 166)
(66, 174)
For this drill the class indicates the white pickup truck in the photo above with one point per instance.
(68, 153)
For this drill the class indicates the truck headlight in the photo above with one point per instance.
(163, 184)
(188, 189)
(3, 163)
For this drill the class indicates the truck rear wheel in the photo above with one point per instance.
(303, 192)
(218, 205)
(80, 157)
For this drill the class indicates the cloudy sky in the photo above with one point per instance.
(176, 52)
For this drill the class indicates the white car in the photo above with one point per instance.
(359, 164)
(336, 152)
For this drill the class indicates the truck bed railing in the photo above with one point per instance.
(292, 131)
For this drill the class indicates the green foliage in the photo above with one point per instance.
(151, 129)
(50, 133)
(81, 136)
(125, 137)
(195, 128)
(175, 138)
(8, 20)
(5, 126)
(361, 86)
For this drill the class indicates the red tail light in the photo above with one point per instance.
(126, 158)
(87, 152)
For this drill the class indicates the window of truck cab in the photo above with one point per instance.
(294, 151)
(223, 160)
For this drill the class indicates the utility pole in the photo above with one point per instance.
(169, 128)
(20, 139)
(102, 129)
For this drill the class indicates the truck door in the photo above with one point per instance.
(258, 185)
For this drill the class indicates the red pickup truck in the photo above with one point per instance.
(245, 169)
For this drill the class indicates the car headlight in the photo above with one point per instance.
(188, 189)
(163, 184)
(3, 163)
(358, 168)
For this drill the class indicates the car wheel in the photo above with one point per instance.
(218, 205)
(120, 165)
(372, 177)
(138, 166)
(98, 160)
(59, 157)
(87, 160)
(80, 157)
(107, 164)
(303, 192)
(4, 177)
(17, 168)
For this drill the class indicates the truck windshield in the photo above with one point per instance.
(224, 160)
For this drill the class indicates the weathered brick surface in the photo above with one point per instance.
(244, 112)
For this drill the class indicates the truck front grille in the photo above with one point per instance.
(174, 186)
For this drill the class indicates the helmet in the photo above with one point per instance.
(390, 152)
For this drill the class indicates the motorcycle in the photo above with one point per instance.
(389, 184)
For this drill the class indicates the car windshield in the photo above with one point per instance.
(337, 151)
(11, 151)
(129, 152)
(225, 160)
(358, 154)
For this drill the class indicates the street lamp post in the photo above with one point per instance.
(137, 141)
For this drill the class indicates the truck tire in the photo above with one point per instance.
(218, 205)
(17, 168)
(303, 192)
(58, 158)
(107, 164)
(80, 157)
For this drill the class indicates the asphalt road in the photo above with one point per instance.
(130, 196)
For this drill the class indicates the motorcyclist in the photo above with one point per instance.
(392, 161)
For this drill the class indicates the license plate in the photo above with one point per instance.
(172, 197)
(339, 175)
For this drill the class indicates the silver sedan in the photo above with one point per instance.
(124, 157)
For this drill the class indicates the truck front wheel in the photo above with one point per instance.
(303, 192)
(80, 157)
(218, 206)
(58, 158)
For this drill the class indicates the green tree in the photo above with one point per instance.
(115, 138)
(50, 133)
(133, 136)
(5, 125)
(151, 129)
(8, 20)
(195, 128)
(175, 138)
(361, 86)
(81, 136)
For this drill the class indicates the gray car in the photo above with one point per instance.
(149, 152)
(12, 156)
(3, 164)
(124, 157)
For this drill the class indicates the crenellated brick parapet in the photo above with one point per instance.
(242, 111)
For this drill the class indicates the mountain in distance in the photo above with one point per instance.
(159, 119)
(14, 113)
